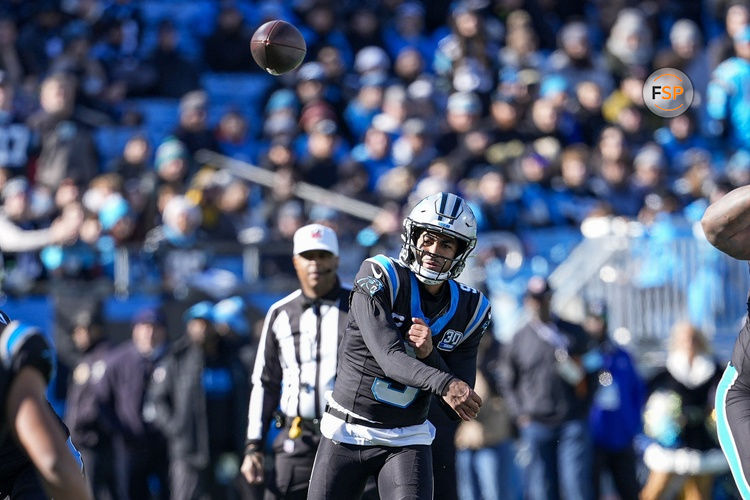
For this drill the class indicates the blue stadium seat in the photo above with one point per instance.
(123, 310)
(160, 115)
(243, 91)
(36, 310)
(110, 142)
(231, 263)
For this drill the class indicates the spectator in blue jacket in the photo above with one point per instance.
(615, 416)
(727, 94)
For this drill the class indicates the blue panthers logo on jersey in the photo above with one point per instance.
(450, 340)
(370, 285)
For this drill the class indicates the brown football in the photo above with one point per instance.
(278, 47)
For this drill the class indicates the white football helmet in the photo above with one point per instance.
(443, 213)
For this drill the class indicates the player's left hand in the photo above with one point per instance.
(420, 338)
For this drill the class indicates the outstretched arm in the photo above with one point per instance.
(727, 223)
(40, 434)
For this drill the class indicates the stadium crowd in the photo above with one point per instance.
(532, 110)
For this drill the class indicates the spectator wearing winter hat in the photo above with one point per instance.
(85, 416)
(415, 148)
(406, 29)
(311, 83)
(172, 162)
(139, 448)
(463, 112)
(649, 170)
(116, 218)
(193, 129)
(117, 223)
(171, 245)
(629, 46)
(575, 59)
(372, 59)
(686, 53)
(366, 104)
(374, 152)
(282, 101)
(318, 163)
(409, 65)
(230, 319)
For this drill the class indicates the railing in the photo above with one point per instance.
(649, 284)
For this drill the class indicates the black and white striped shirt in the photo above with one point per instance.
(296, 361)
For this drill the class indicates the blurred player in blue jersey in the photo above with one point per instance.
(26, 365)
(412, 332)
(727, 227)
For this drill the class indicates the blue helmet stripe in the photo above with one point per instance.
(443, 201)
(456, 207)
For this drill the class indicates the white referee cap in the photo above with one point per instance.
(315, 237)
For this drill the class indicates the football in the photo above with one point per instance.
(278, 47)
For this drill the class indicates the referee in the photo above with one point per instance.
(296, 365)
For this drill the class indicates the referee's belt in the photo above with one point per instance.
(351, 419)
(308, 424)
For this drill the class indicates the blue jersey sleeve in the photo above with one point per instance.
(24, 345)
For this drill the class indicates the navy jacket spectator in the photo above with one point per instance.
(614, 426)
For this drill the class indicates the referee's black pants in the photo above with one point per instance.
(293, 461)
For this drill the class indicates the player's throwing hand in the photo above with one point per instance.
(462, 399)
